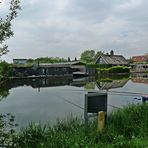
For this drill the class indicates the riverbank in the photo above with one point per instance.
(127, 127)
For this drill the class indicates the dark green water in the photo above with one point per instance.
(46, 100)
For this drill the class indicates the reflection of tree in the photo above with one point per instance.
(90, 85)
(7, 130)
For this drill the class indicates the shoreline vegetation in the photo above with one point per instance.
(127, 127)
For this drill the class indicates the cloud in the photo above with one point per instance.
(65, 28)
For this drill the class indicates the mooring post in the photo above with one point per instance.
(101, 120)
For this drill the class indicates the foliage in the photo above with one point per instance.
(46, 60)
(89, 56)
(5, 24)
(114, 70)
(7, 130)
(110, 78)
(5, 70)
(4, 91)
(90, 85)
(127, 127)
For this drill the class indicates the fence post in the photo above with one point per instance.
(101, 120)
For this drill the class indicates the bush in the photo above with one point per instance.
(127, 127)
(113, 70)
(5, 70)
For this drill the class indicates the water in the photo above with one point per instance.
(46, 100)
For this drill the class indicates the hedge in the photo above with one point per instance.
(98, 65)
(115, 69)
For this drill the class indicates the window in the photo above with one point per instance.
(101, 60)
(56, 69)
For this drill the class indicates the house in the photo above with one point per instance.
(139, 67)
(66, 68)
(19, 61)
(140, 59)
(114, 60)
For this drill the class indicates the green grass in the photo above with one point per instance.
(127, 127)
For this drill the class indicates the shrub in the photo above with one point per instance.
(5, 70)
(112, 70)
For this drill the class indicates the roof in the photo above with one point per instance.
(20, 59)
(143, 58)
(63, 64)
(113, 59)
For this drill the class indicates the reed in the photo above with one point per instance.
(127, 127)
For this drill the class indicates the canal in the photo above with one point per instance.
(47, 100)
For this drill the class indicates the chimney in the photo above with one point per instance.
(111, 52)
(68, 59)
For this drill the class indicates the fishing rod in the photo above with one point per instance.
(110, 91)
(76, 105)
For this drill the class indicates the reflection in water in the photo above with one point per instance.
(140, 78)
(114, 81)
(43, 83)
(112, 84)
(46, 100)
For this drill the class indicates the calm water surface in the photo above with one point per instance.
(46, 100)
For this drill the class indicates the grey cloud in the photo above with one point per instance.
(49, 28)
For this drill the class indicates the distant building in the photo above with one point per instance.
(140, 59)
(64, 68)
(19, 61)
(114, 60)
(139, 67)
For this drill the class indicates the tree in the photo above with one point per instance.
(87, 56)
(5, 24)
(98, 54)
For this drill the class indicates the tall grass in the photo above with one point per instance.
(127, 127)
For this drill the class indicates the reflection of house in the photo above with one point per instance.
(112, 84)
(114, 60)
(139, 67)
(140, 78)
(19, 61)
(39, 83)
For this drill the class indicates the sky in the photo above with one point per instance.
(65, 28)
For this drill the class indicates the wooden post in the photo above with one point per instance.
(101, 120)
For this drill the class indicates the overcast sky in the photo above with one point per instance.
(65, 28)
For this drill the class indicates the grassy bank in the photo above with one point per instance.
(127, 127)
